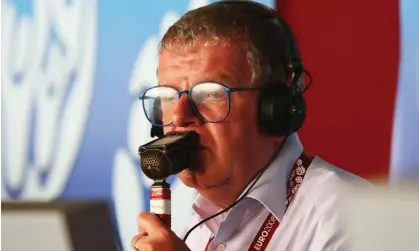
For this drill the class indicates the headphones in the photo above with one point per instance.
(281, 108)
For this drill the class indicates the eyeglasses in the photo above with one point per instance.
(210, 101)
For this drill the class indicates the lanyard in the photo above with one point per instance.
(271, 223)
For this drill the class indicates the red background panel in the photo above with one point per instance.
(352, 50)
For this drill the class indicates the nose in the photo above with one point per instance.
(183, 115)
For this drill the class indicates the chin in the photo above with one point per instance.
(200, 181)
(187, 177)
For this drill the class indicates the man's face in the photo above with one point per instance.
(231, 151)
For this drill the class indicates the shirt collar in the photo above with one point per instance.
(271, 189)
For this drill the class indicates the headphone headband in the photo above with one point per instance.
(294, 65)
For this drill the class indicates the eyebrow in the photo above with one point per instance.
(223, 79)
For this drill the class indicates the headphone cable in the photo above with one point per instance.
(309, 83)
(257, 175)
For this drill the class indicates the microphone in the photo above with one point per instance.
(162, 157)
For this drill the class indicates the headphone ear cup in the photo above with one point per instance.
(274, 107)
(280, 112)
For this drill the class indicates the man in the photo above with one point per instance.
(230, 56)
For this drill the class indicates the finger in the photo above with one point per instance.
(135, 241)
(141, 231)
(149, 223)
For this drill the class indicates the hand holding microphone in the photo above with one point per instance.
(161, 158)
(155, 236)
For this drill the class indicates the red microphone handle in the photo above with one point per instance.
(160, 203)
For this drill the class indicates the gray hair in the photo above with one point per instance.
(223, 24)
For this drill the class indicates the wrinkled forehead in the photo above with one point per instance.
(214, 45)
(204, 59)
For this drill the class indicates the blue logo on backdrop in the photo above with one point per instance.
(71, 120)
